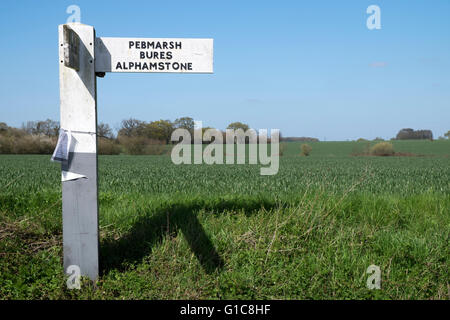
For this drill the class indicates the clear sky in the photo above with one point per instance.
(309, 68)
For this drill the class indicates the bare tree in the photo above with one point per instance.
(104, 131)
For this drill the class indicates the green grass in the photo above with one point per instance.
(225, 232)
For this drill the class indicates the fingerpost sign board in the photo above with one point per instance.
(83, 57)
(154, 55)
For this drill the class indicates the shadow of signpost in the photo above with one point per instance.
(150, 229)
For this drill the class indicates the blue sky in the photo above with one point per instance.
(309, 68)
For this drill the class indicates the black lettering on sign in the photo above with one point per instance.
(155, 55)
(159, 66)
(154, 45)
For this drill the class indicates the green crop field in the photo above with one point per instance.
(226, 232)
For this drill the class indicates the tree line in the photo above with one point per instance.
(411, 134)
(133, 136)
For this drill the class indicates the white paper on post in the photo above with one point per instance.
(67, 176)
(61, 152)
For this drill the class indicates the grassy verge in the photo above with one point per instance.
(314, 246)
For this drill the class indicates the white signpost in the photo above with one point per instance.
(82, 57)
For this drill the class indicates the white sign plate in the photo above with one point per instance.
(154, 55)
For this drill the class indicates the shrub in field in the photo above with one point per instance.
(382, 149)
(306, 149)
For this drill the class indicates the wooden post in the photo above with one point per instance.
(81, 57)
(79, 173)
